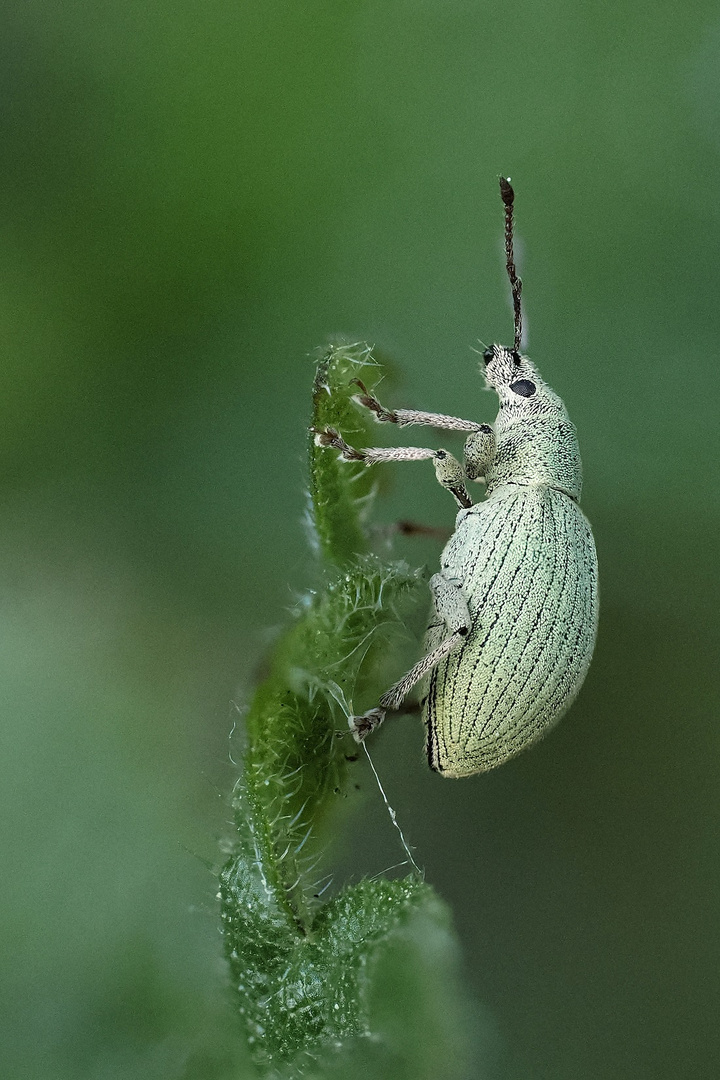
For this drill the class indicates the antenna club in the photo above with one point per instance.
(506, 191)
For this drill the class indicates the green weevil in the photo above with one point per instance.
(515, 604)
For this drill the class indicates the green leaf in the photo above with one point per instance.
(341, 491)
(299, 740)
(373, 983)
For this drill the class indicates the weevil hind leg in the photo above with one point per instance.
(451, 608)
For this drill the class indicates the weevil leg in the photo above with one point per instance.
(450, 475)
(448, 469)
(480, 449)
(416, 528)
(405, 417)
(451, 608)
(372, 455)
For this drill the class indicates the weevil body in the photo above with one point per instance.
(525, 562)
(515, 603)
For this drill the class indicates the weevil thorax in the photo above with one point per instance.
(536, 442)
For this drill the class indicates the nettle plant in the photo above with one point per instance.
(366, 982)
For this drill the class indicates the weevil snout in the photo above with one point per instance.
(493, 351)
(504, 366)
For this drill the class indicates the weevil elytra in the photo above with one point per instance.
(515, 603)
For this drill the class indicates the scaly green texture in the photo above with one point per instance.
(345, 987)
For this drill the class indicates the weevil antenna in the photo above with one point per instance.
(508, 197)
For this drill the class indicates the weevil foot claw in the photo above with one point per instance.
(330, 437)
(369, 401)
(362, 726)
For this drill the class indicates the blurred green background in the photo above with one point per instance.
(193, 197)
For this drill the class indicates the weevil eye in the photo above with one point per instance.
(489, 355)
(523, 387)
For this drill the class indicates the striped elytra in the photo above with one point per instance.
(527, 562)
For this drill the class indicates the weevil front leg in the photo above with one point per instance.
(448, 470)
(405, 417)
(480, 450)
(452, 610)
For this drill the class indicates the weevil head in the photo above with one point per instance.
(536, 442)
(519, 385)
